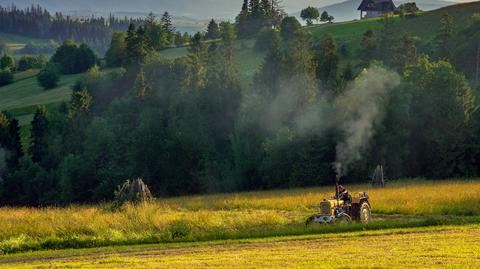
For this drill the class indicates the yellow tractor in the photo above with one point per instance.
(343, 208)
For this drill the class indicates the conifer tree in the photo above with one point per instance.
(213, 32)
(10, 140)
(271, 71)
(38, 137)
(444, 37)
(198, 60)
(142, 89)
(327, 59)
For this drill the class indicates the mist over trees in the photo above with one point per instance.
(189, 125)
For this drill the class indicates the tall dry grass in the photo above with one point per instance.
(224, 216)
(403, 197)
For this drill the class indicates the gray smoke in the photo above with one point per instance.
(358, 110)
(354, 113)
(297, 99)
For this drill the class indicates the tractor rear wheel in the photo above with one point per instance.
(365, 213)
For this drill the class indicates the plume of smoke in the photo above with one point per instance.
(354, 113)
(358, 110)
(299, 106)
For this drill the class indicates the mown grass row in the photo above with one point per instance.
(232, 216)
(424, 247)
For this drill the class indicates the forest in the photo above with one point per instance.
(190, 125)
(37, 22)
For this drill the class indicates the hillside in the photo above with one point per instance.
(248, 59)
(350, 33)
(22, 96)
(423, 26)
(347, 11)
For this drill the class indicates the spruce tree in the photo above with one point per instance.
(327, 59)
(39, 133)
(229, 72)
(198, 60)
(243, 20)
(444, 37)
(168, 28)
(271, 71)
(406, 53)
(368, 47)
(137, 46)
(213, 32)
(142, 89)
(167, 23)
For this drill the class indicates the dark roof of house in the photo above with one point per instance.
(377, 5)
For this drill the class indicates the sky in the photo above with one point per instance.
(197, 9)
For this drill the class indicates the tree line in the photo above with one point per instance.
(37, 22)
(189, 125)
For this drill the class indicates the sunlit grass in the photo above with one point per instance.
(403, 197)
(231, 216)
(432, 247)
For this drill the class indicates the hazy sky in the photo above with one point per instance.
(202, 9)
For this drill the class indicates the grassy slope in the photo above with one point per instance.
(423, 26)
(247, 58)
(22, 96)
(233, 216)
(438, 247)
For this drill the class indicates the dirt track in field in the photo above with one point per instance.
(457, 247)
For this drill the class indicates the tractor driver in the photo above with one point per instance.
(343, 194)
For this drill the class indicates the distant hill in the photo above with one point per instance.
(347, 11)
(196, 9)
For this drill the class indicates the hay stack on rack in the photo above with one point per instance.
(378, 179)
(135, 192)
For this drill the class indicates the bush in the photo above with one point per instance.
(7, 61)
(6, 77)
(73, 58)
(26, 62)
(49, 76)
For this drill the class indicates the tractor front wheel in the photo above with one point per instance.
(343, 219)
(365, 213)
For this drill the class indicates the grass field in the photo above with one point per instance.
(423, 26)
(430, 247)
(21, 96)
(232, 216)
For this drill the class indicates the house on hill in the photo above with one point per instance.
(376, 8)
